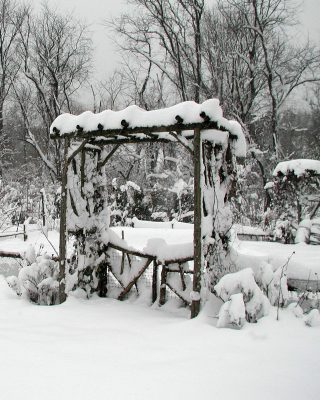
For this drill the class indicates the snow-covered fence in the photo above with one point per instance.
(214, 143)
(142, 271)
(252, 233)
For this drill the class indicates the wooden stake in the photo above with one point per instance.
(154, 282)
(25, 235)
(122, 263)
(163, 284)
(183, 283)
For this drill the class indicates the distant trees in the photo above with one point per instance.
(238, 51)
(241, 51)
(55, 56)
(12, 17)
(44, 60)
(285, 66)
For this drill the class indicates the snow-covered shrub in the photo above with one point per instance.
(273, 283)
(297, 311)
(232, 312)
(313, 318)
(283, 231)
(30, 255)
(247, 204)
(303, 231)
(127, 201)
(38, 281)
(255, 303)
(295, 183)
(315, 231)
(14, 284)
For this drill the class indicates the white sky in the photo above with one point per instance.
(95, 11)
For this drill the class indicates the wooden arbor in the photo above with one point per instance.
(213, 142)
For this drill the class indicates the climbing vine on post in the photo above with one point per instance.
(214, 175)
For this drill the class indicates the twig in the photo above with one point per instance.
(54, 249)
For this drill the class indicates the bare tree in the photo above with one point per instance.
(285, 65)
(166, 36)
(55, 53)
(12, 17)
(233, 63)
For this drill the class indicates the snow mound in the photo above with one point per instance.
(313, 318)
(233, 312)
(299, 167)
(255, 302)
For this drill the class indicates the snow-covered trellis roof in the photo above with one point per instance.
(133, 124)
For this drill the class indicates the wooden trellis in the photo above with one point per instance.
(210, 144)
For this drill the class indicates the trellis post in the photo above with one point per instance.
(63, 224)
(197, 239)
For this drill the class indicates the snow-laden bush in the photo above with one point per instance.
(14, 284)
(233, 312)
(313, 318)
(296, 310)
(252, 304)
(273, 283)
(303, 231)
(38, 281)
(283, 231)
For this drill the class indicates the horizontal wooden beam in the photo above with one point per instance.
(144, 255)
(128, 132)
(10, 254)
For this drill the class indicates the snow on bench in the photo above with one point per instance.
(166, 245)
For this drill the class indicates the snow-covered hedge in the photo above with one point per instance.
(295, 184)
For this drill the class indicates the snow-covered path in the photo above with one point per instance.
(106, 349)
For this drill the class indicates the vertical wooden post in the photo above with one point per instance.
(163, 286)
(25, 236)
(154, 282)
(63, 224)
(82, 170)
(197, 238)
(43, 210)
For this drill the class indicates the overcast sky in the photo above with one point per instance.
(95, 11)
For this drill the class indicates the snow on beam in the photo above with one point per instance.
(134, 123)
(154, 256)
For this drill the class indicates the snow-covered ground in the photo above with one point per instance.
(103, 348)
(304, 262)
